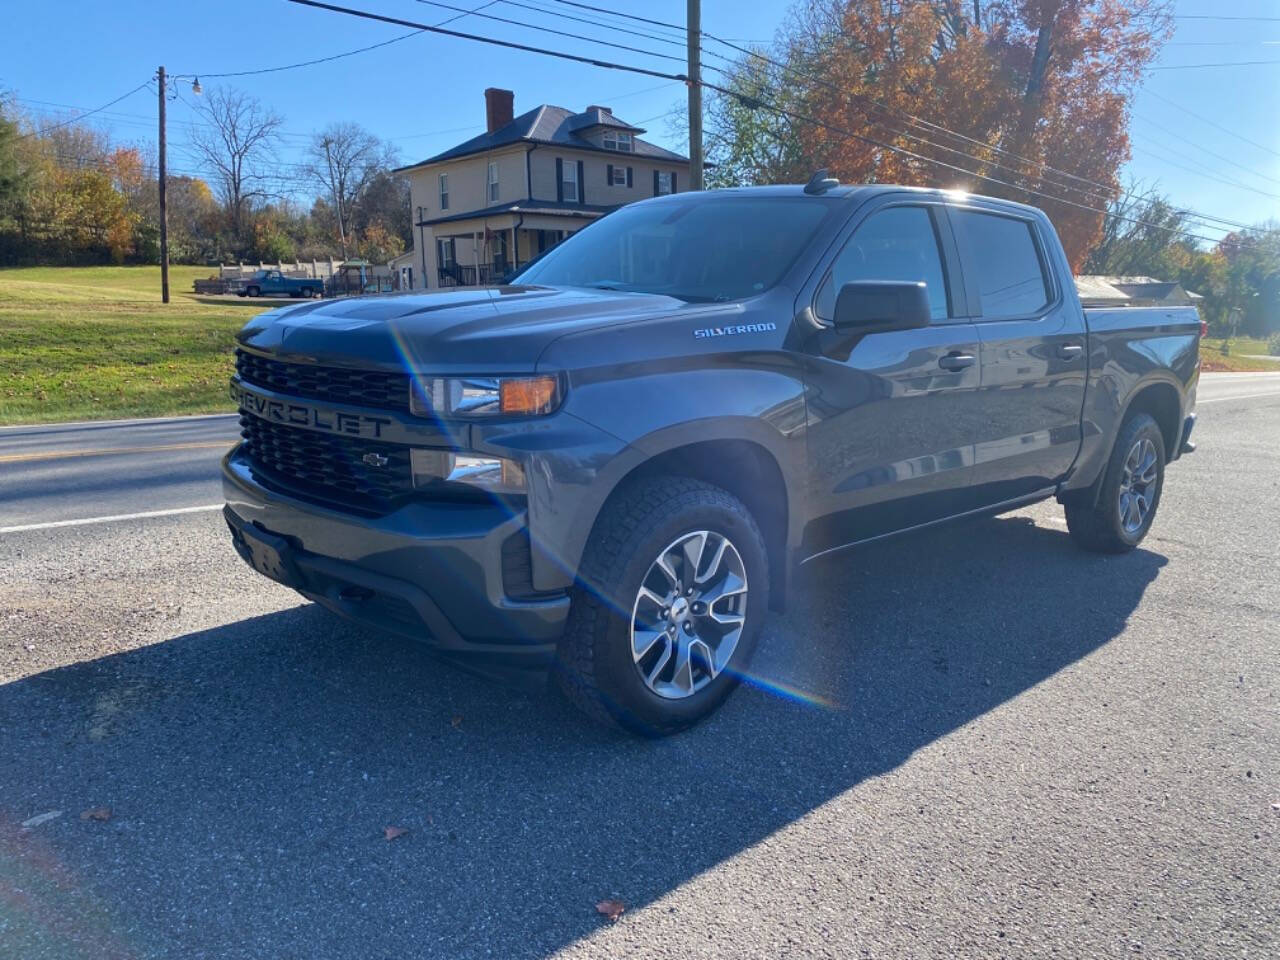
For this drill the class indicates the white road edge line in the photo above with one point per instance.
(23, 528)
(126, 421)
(1243, 396)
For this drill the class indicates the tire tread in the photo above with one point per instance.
(608, 552)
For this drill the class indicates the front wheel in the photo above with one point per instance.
(668, 609)
(1128, 493)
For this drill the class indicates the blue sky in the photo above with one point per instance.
(425, 93)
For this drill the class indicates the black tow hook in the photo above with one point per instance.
(353, 594)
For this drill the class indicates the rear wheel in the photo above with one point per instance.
(668, 609)
(1128, 493)
(253, 291)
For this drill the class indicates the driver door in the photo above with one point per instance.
(892, 425)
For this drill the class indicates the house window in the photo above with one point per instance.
(444, 191)
(616, 140)
(444, 252)
(493, 182)
(617, 176)
(569, 182)
(664, 184)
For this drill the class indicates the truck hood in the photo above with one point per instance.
(473, 330)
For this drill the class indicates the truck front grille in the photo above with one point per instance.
(366, 388)
(327, 467)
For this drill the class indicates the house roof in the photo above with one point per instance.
(1124, 289)
(556, 126)
(563, 208)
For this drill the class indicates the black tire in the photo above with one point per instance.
(1095, 523)
(253, 292)
(595, 666)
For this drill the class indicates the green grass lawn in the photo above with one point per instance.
(1212, 358)
(78, 343)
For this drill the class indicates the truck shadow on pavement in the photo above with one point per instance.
(252, 767)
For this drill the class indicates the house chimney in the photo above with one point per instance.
(499, 108)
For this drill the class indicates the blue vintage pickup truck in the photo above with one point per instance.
(267, 282)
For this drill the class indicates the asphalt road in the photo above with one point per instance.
(975, 742)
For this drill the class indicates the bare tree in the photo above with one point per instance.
(236, 142)
(345, 159)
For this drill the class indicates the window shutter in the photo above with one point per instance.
(673, 181)
(608, 174)
(655, 183)
(582, 185)
(559, 180)
(629, 171)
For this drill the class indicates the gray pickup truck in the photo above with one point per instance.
(613, 464)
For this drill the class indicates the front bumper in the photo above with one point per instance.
(430, 571)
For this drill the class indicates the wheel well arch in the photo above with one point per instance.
(1161, 401)
(745, 469)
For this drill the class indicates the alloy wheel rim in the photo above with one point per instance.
(1138, 485)
(688, 614)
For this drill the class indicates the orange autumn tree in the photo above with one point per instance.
(984, 94)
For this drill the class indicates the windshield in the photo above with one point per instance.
(704, 249)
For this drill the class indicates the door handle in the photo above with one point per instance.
(956, 361)
(1069, 351)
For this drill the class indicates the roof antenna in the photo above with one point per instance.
(820, 182)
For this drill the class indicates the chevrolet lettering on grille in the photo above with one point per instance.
(306, 416)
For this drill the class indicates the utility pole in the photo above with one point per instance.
(164, 207)
(693, 29)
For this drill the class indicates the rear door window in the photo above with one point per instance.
(1002, 261)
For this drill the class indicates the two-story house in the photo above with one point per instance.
(499, 199)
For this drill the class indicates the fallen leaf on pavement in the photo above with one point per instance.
(393, 832)
(456, 722)
(611, 909)
(97, 813)
(41, 818)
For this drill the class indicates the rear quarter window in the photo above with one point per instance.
(1003, 261)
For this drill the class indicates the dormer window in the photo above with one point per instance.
(617, 140)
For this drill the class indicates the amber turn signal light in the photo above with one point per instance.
(530, 396)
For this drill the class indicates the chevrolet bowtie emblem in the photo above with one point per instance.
(376, 459)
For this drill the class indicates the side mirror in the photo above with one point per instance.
(878, 305)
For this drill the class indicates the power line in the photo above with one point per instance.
(1207, 173)
(561, 33)
(678, 41)
(626, 16)
(492, 41)
(336, 56)
(1205, 66)
(83, 116)
(1203, 149)
(1213, 123)
(849, 134)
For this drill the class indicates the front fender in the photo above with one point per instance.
(619, 425)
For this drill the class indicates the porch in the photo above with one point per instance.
(482, 250)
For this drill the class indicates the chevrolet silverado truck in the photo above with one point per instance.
(273, 282)
(614, 464)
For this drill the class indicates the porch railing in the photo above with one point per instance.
(477, 274)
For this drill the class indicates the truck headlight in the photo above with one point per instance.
(493, 474)
(473, 397)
